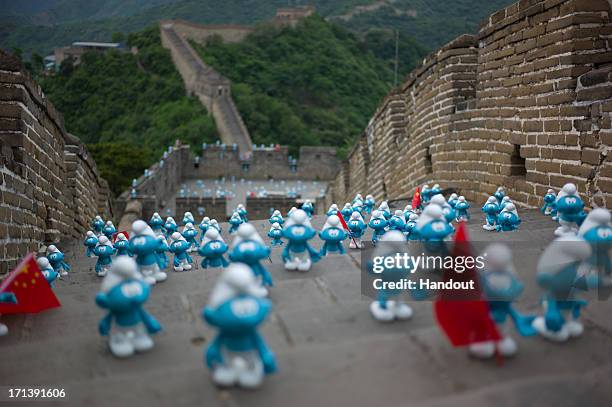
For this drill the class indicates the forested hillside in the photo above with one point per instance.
(128, 108)
(316, 84)
(41, 25)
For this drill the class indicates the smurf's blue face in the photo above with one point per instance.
(105, 250)
(298, 233)
(238, 315)
(435, 230)
(249, 251)
(214, 247)
(356, 224)
(378, 224)
(235, 220)
(55, 257)
(276, 232)
(549, 198)
(436, 190)
(570, 204)
(501, 286)
(190, 233)
(499, 195)
(91, 241)
(170, 226)
(490, 208)
(332, 234)
(126, 295)
(98, 224)
(179, 246)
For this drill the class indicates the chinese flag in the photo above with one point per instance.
(462, 314)
(416, 199)
(31, 289)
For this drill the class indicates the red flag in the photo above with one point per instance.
(30, 287)
(416, 199)
(127, 236)
(462, 314)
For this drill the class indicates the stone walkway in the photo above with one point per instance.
(329, 349)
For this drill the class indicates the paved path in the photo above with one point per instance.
(329, 349)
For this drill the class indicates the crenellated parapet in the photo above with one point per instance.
(50, 187)
(525, 104)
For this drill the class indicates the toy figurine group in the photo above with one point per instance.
(131, 263)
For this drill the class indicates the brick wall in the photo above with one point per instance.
(314, 163)
(525, 104)
(214, 208)
(49, 186)
(200, 32)
(259, 208)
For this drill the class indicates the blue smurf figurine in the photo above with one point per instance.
(505, 201)
(570, 210)
(435, 190)
(144, 245)
(308, 208)
(452, 200)
(357, 227)
(204, 225)
(332, 234)
(410, 228)
(384, 209)
(191, 236)
(397, 221)
(238, 355)
(170, 226)
(242, 212)
(6, 298)
(276, 217)
(234, 222)
(212, 250)
(447, 210)
(508, 219)
(249, 248)
(333, 210)
(499, 194)
(90, 242)
(188, 218)
(298, 254)
(549, 208)
(276, 233)
(122, 246)
(56, 258)
(157, 224)
(97, 224)
(557, 274)
(123, 293)
(347, 211)
(378, 224)
(501, 288)
(215, 224)
(491, 211)
(105, 252)
(432, 226)
(597, 231)
(425, 194)
(160, 251)
(385, 309)
(109, 230)
(461, 209)
(46, 270)
(369, 204)
(179, 246)
(407, 212)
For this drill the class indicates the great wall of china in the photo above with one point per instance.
(49, 185)
(525, 103)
